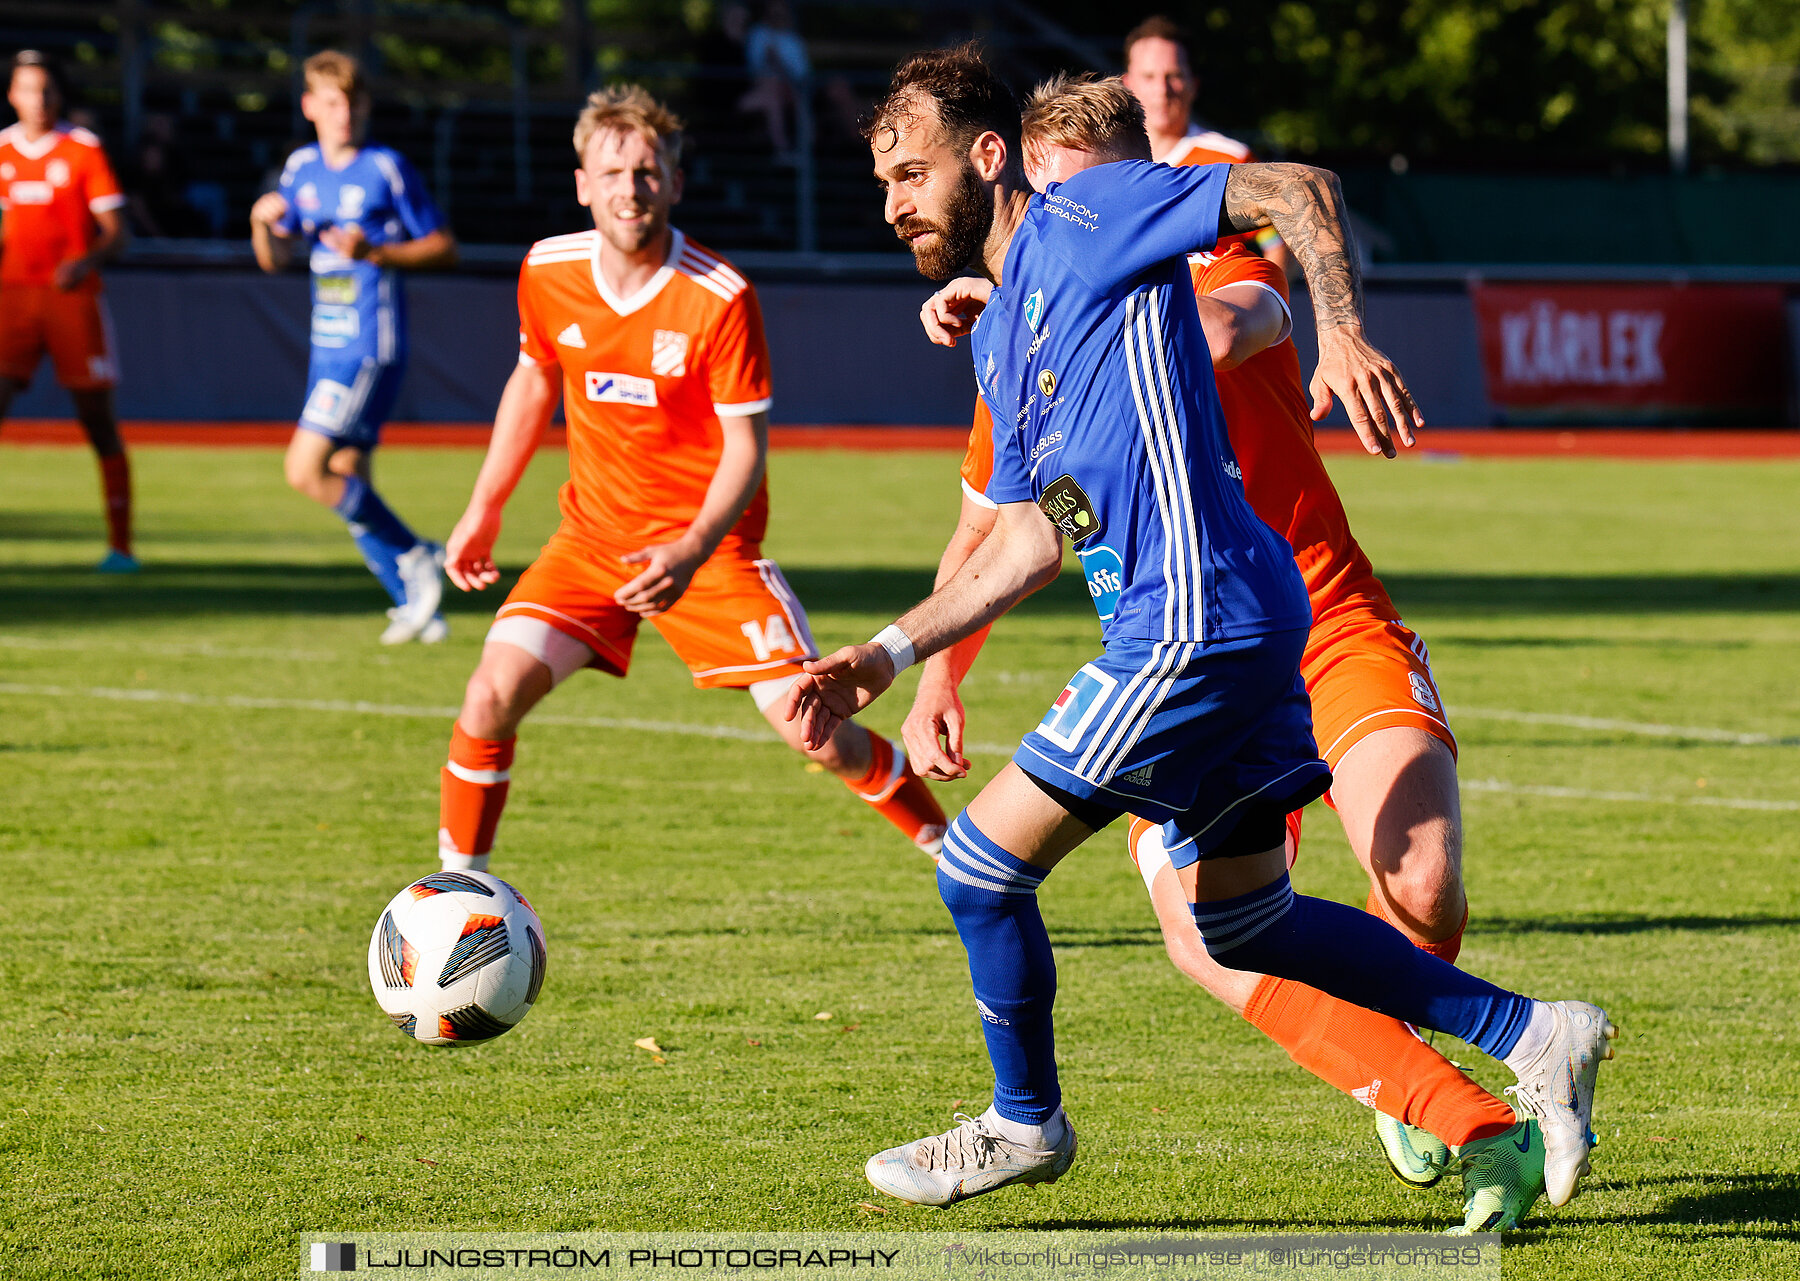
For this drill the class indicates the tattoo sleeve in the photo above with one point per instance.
(1306, 206)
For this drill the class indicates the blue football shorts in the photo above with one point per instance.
(1188, 734)
(350, 400)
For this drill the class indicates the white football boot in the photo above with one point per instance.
(1557, 1087)
(422, 574)
(967, 1161)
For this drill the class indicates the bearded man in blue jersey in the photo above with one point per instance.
(1107, 431)
(365, 215)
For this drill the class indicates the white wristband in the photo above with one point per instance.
(898, 645)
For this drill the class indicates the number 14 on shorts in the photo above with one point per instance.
(770, 637)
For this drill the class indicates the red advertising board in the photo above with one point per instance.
(1634, 353)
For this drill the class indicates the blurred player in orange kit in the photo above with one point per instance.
(656, 347)
(1377, 714)
(59, 220)
(1160, 74)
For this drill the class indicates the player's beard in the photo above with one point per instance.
(631, 240)
(960, 235)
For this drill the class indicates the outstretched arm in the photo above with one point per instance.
(1022, 554)
(669, 567)
(933, 731)
(1306, 206)
(525, 410)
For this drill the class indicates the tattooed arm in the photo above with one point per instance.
(1306, 206)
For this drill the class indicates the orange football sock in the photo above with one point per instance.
(1376, 1060)
(900, 796)
(472, 792)
(1445, 949)
(115, 485)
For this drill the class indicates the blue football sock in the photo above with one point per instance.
(381, 536)
(1361, 959)
(992, 897)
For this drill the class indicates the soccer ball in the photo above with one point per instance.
(457, 957)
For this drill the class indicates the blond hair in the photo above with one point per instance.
(338, 69)
(1085, 113)
(630, 108)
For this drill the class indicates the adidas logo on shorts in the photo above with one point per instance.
(1139, 777)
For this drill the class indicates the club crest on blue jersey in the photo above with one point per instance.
(1034, 310)
(1105, 578)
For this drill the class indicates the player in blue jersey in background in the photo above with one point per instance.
(1107, 430)
(364, 214)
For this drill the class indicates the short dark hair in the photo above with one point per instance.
(1158, 27)
(969, 98)
(45, 63)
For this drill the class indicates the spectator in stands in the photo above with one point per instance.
(156, 183)
(780, 76)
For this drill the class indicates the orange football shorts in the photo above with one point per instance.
(72, 325)
(738, 622)
(1366, 673)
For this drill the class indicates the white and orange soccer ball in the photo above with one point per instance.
(457, 957)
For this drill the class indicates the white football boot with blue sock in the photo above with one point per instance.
(982, 1154)
(1556, 1060)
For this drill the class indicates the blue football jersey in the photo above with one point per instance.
(1093, 362)
(359, 309)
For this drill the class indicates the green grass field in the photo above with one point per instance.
(214, 778)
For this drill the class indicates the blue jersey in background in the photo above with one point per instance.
(357, 306)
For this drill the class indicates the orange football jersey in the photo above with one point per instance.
(1205, 147)
(1208, 147)
(1271, 430)
(645, 382)
(50, 191)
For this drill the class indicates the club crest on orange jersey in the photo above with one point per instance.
(668, 353)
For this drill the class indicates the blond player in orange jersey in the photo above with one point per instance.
(656, 347)
(1376, 710)
(59, 220)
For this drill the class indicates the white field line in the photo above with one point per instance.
(194, 650)
(1628, 798)
(357, 707)
(1647, 728)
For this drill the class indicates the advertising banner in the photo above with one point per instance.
(1688, 354)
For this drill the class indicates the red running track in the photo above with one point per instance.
(1587, 442)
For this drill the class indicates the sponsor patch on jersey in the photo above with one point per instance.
(335, 326)
(336, 289)
(328, 405)
(31, 193)
(1076, 707)
(1034, 310)
(1105, 574)
(620, 389)
(668, 353)
(1068, 507)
